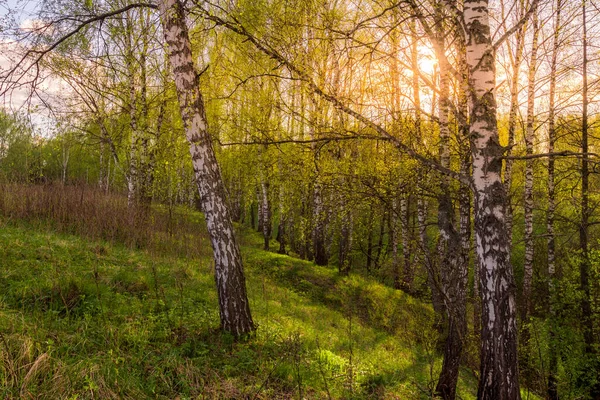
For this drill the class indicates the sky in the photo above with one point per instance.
(22, 12)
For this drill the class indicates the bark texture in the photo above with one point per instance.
(229, 274)
(499, 378)
(528, 190)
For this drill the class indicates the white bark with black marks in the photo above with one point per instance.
(528, 190)
(499, 377)
(229, 274)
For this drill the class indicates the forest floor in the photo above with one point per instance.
(92, 319)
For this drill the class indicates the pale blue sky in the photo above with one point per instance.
(22, 9)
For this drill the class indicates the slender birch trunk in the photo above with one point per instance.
(584, 268)
(552, 348)
(266, 211)
(528, 190)
(464, 191)
(585, 263)
(318, 231)
(132, 172)
(259, 210)
(370, 226)
(499, 376)
(281, 227)
(512, 118)
(345, 241)
(146, 162)
(449, 241)
(407, 273)
(393, 227)
(231, 286)
(101, 168)
(380, 238)
(430, 266)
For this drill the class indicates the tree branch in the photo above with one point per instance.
(566, 153)
(237, 27)
(42, 53)
(306, 141)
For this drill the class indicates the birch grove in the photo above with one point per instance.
(444, 149)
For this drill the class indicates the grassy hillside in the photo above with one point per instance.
(89, 319)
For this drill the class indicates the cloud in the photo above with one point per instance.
(29, 92)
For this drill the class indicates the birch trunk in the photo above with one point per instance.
(380, 239)
(499, 377)
(101, 168)
(318, 231)
(449, 242)
(229, 274)
(584, 268)
(464, 194)
(585, 264)
(282, 222)
(394, 243)
(552, 348)
(408, 274)
(259, 210)
(265, 207)
(133, 170)
(528, 190)
(512, 119)
(345, 241)
(370, 225)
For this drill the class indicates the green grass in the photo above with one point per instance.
(87, 319)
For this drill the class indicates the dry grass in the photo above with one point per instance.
(94, 214)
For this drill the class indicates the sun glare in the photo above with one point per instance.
(427, 65)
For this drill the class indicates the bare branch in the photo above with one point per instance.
(62, 39)
(517, 26)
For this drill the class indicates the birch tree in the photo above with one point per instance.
(229, 274)
(528, 190)
(550, 214)
(499, 377)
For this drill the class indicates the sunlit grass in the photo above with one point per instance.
(90, 319)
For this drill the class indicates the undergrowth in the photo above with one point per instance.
(93, 316)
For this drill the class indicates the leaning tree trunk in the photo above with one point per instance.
(499, 376)
(229, 274)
